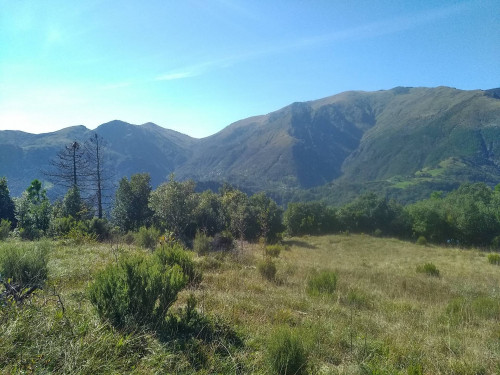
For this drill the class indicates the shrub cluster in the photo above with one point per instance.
(4, 229)
(494, 259)
(267, 269)
(429, 269)
(139, 290)
(23, 268)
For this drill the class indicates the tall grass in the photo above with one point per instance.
(382, 317)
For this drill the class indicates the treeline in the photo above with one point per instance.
(173, 210)
(468, 216)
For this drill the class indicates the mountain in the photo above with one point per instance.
(129, 149)
(403, 142)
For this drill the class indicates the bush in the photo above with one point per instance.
(223, 241)
(100, 228)
(4, 229)
(202, 243)
(147, 237)
(60, 226)
(322, 282)
(136, 292)
(267, 269)
(286, 353)
(23, 267)
(273, 250)
(79, 234)
(429, 269)
(174, 254)
(494, 259)
(128, 238)
(422, 241)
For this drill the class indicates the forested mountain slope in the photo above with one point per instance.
(392, 141)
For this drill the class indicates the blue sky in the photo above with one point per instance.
(196, 66)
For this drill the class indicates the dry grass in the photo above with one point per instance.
(383, 318)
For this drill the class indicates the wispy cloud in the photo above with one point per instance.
(378, 28)
(176, 75)
(365, 31)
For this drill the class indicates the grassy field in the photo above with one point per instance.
(388, 314)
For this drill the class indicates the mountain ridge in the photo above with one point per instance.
(405, 135)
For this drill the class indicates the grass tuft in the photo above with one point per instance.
(494, 259)
(286, 353)
(267, 268)
(429, 269)
(322, 282)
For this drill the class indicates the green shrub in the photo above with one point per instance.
(286, 353)
(494, 259)
(358, 299)
(128, 238)
(100, 228)
(136, 292)
(422, 241)
(172, 254)
(429, 269)
(322, 282)
(223, 241)
(273, 250)
(202, 243)
(495, 242)
(378, 233)
(23, 266)
(79, 235)
(60, 226)
(267, 269)
(147, 237)
(4, 229)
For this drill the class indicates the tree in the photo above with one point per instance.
(68, 168)
(268, 216)
(72, 204)
(173, 204)
(131, 210)
(208, 213)
(97, 176)
(7, 208)
(366, 214)
(429, 219)
(33, 211)
(309, 218)
(240, 219)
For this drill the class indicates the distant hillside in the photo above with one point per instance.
(403, 142)
(129, 149)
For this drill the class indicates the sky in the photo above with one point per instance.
(196, 66)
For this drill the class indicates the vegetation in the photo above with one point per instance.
(23, 270)
(4, 229)
(6, 203)
(322, 282)
(237, 321)
(429, 269)
(128, 294)
(286, 353)
(494, 259)
(137, 292)
(267, 269)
